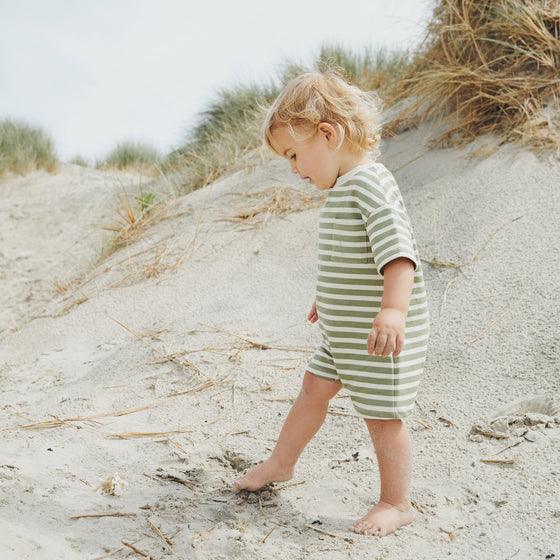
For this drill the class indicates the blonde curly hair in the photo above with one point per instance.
(313, 98)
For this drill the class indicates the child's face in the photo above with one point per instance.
(316, 158)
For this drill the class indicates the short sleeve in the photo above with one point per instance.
(390, 235)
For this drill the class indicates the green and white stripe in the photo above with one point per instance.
(363, 226)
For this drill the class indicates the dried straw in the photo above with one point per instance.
(104, 515)
(500, 461)
(128, 435)
(259, 345)
(274, 201)
(132, 547)
(347, 539)
(178, 359)
(488, 66)
(160, 535)
(57, 422)
(494, 322)
(444, 264)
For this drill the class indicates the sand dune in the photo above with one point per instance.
(180, 380)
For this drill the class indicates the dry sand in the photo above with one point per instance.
(161, 390)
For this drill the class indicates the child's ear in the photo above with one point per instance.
(330, 133)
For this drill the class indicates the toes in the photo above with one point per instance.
(364, 528)
(374, 531)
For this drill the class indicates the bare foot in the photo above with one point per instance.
(263, 474)
(383, 519)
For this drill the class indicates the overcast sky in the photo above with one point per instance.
(96, 72)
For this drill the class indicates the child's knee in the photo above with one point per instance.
(377, 427)
(318, 388)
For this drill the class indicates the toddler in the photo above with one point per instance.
(370, 300)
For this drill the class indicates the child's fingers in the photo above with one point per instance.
(371, 341)
(313, 316)
(380, 344)
(398, 345)
(383, 344)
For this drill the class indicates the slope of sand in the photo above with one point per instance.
(173, 362)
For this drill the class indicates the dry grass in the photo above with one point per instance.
(131, 220)
(276, 201)
(489, 66)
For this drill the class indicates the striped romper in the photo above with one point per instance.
(363, 226)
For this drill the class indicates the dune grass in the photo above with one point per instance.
(485, 66)
(489, 66)
(227, 130)
(230, 127)
(80, 160)
(130, 155)
(24, 148)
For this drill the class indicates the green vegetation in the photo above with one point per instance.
(230, 127)
(133, 156)
(227, 130)
(24, 148)
(485, 66)
(81, 161)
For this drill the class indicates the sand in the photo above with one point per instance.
(167, 368)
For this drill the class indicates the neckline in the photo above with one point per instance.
(352, 171)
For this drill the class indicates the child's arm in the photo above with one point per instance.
(387, 333)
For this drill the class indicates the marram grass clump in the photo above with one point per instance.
(130, 155)
(489, 66)
(226, 131)
(24, 148)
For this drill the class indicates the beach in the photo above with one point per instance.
(138, 385)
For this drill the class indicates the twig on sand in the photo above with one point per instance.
(500, 461)
(444, 299)
(423, 423)
(160, 535)
(516, 442)
(127, 435)
(444, 264)
(276, 523)
(132, 547)
(177, 446)
(192, 243)
(496, 321)
(347, 539)
(57, 422)
(270, 532)
(259, 345)
(417, 506)
(104, 515)
(170, 478)
(181, 360)
(289, 485)
(276, 200)
(238, 421)
(208, 383)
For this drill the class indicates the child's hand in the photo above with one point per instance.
(387, 333)
(313, 317)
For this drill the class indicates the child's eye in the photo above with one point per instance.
(293, 156)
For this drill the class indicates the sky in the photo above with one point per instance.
(93, 73)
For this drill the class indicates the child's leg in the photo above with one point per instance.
(303, 421)
(392, 447)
